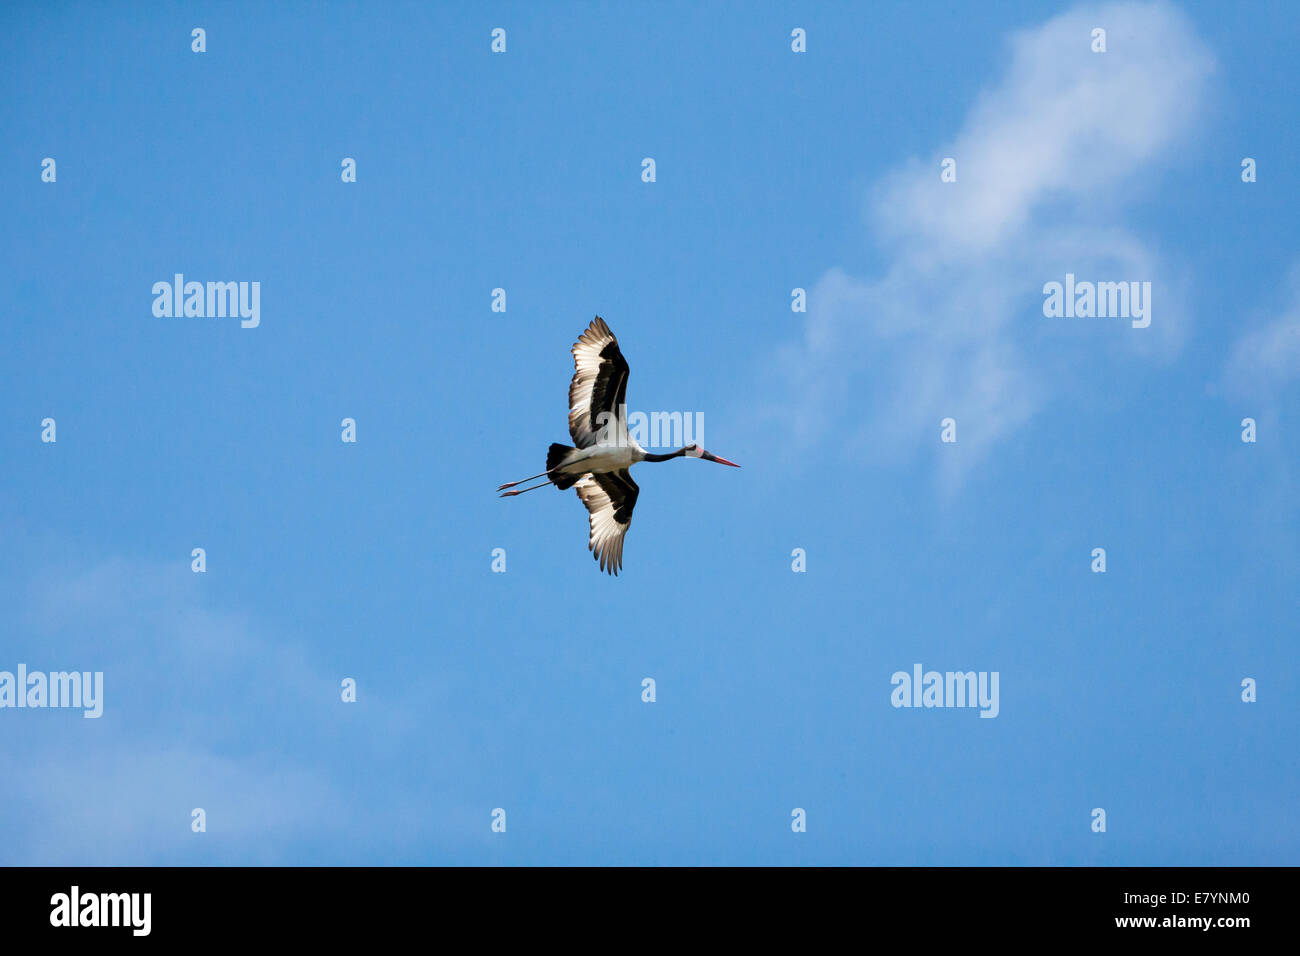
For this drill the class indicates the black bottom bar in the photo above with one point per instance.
(334, 904)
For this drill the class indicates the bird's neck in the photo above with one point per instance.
(668, 457)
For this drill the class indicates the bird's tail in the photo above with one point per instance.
(554, 458)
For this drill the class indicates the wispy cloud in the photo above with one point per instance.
(1048, 158)
(204, 707)
(1267, 357)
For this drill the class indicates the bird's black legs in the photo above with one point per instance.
(509, 494)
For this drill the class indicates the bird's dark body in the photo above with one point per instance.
(554, 458)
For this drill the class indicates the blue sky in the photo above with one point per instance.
(522, 690)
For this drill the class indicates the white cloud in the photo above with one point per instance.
(1268, 357)
(202, 708)
(1047, 158)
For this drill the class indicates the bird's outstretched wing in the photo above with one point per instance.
(609, 498)
(599, 385)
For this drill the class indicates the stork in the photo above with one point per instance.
(598, 469)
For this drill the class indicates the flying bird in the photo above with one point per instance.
(598, 469)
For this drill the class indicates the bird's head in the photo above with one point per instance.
(695, 451)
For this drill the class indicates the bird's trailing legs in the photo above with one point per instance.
(511, 484)
(509, 494)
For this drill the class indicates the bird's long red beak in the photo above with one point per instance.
(720, 461)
